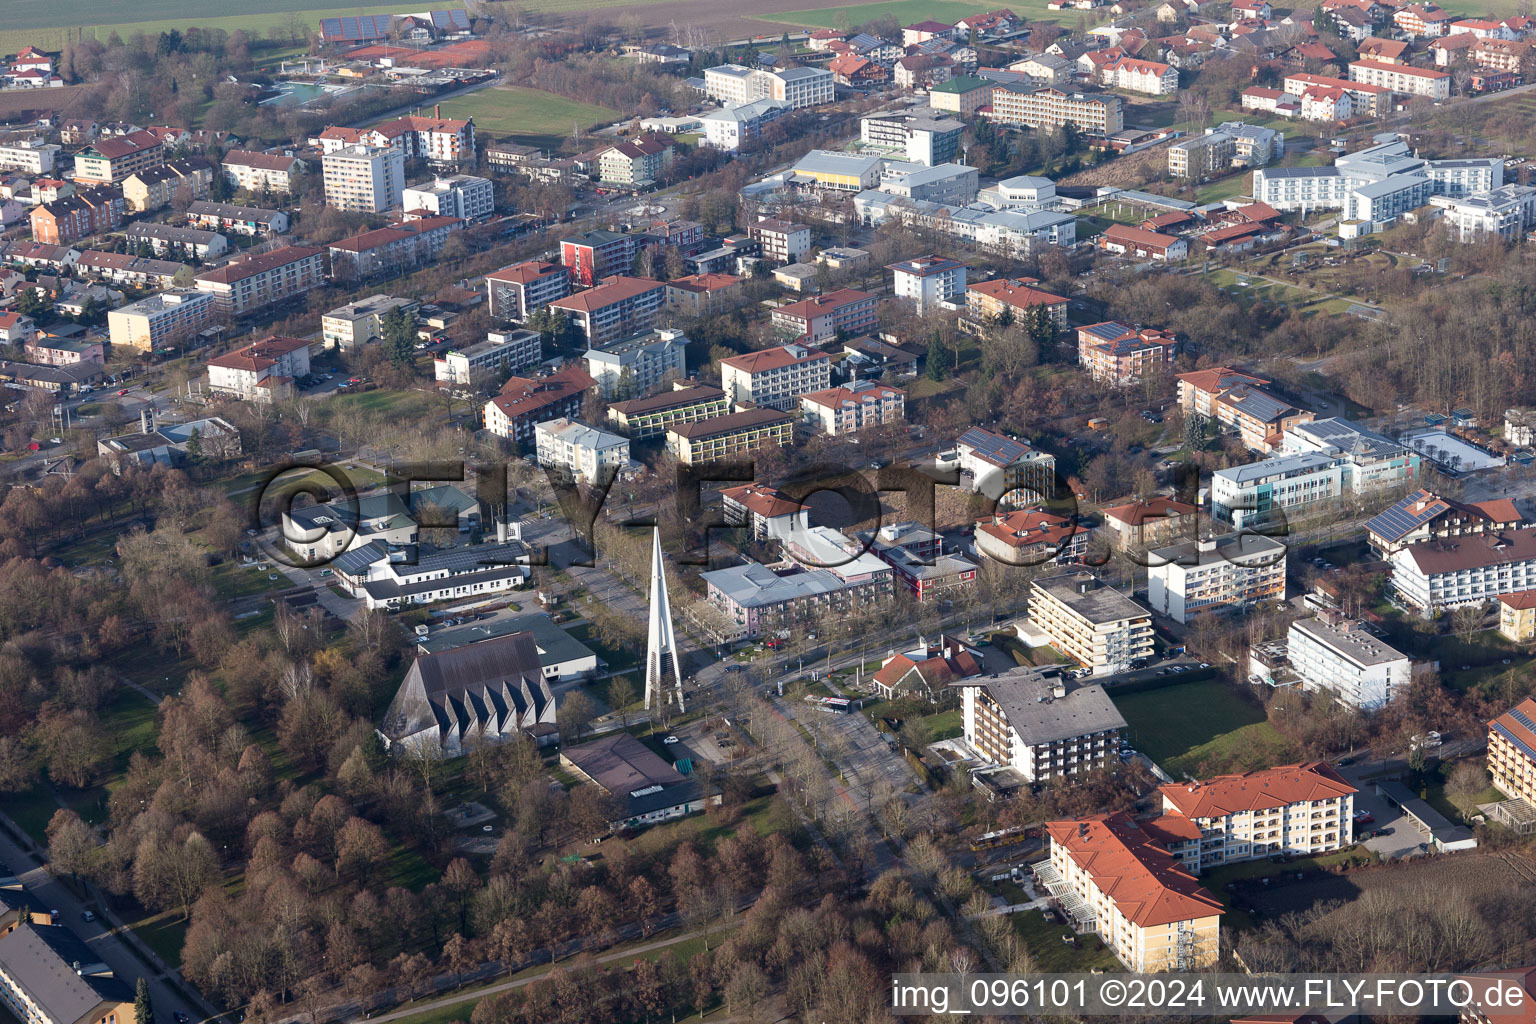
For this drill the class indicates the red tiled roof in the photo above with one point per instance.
(1250, 791)
(528, 270)
(613, 289)
(1145, 882)
(1137, 236)
(1448, 554)
(1217, 378)
(762, 500)
(771, 359)
(258, 355)
(834, 397)
(819, 305)
(1027, 528)
(711, 282)
(1520, 600)
(1138, 512)
(249, 266)
(118, 146)
(1016, 292)
(521, 396)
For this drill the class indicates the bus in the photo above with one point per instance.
(836, 705)
(1002, 837)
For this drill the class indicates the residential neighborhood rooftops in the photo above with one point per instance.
(1256, 790)
(1145, 882)
(1086, 595)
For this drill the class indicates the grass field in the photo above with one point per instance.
(1180, 726)
(527, 113)
(909, 11)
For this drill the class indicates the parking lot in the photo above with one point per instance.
(1404, 837)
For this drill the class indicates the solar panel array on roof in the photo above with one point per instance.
(1521, 745)
(1401, 519)
(1108, 331)
(993, 447)
(356, 28)
(450, 20)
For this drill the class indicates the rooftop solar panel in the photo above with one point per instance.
(1521, 745)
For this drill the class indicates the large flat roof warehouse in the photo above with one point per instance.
(1451, 451)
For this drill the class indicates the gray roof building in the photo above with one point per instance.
(52, 972)
(1040, 712)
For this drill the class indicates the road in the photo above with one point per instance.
(167, 991)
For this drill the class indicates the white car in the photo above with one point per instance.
(670, 740)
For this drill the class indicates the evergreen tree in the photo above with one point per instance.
(936, 354)
(143, 1009)
(399, 333)
(195, 455)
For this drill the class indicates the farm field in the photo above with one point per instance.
(1180, 726)
(909, 11)
(527, 113)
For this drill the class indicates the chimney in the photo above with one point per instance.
(501, 529)
(1207, 545)
(437, 110)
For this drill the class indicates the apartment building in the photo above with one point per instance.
(159, 187)
(756, 599)
(48, 975)
(1453, 572)
(616, 308)
(248, 283)
(634, 366)
(17, 329)
(1030, 537)
(1501, 55)
(929, 280)
(1007, 300)
(518, 291)
(775, 378)
(1117, 881)
(183, 242)
(122, 268)
(524, 402)
(1096, 114)
(800, 87)
(360, 323)
(1423, 20)
(500, 352)
(1038, 725)
(733, 83)
(1333, 653)
(1118, 353)
(849, 409)
(782, 241)
(261, 172)
(30, 156)
(1150, 523)
(821, 317)
(637, 163)
(701, 295)
(263, 371)
(1412, 81)
(1507, 212)
(1232, 144)
(687, 402)
(1324, 460)
(1424, 515)
(1215, 575)
(1240, 402)
(961, 95)
(160, 321)
(1144, 76)
(85, 212)
(441, 141)
(730, 436)
(366, 179)
(465, 196)
(1090, 622)
(1517, 616)
(1303, 810)
(916, 137)
(857, 72)
(391, 250)
(110, 159)
(593, 255)
(765, 513)
(1001, 466)
(585, 454)
(741, 124)
(239, 220)
(1512, 751)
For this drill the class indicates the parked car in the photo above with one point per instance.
(86, 915)
(670, 740)
(1364, 817)
(122, 392)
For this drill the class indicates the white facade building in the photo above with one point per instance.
(459, 195)
(647, 359)
(738, 124)
(590, 455)
(928, 281)
(369, 179)
(1034, 724)
(1455, 572)
(31, 156)
(1335, 654)
(1220, 575)
(1507, 212)
(500, 352)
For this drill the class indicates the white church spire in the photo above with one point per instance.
(661, 641)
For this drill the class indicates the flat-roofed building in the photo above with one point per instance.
(929, 280)
(368, 179)
(641, 787)
(1090, 622)
(160, 321)
(1333, 653)
(1215, 575)
(724, 437)
(1507, 212)
(362, 322)
(782, 241)
(636, 365)
(1040, 726)
(464, 196)
(500, 352)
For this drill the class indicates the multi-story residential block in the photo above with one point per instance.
(1501, 55)
(1424, 515)
(1332, 653)
(263, 371)
(724, 437)
(781, 241)
(1454, 572)
(741, 124)
(1118, 353)
(360, 323)
(765, 512)
(916, 137)
(618, 307)
(1232, 144)
(799, 87)
(1365, 99)
(85, 212)
(368, 179)
(1512, 752)
(594, 255)
(1303, 810)
(527, 401)
(184, 242)
(59, 352)
(500, 352)
(1376, 184)
(733, 83)
(929, 280)
(962, 95)
(1240, 402)
(31, 156)
(48, 975)
(1402, 78)
(636, 365)
(121, 268)
(821, 317)
(687, 402)
(1098, 114)
(757, 599)
(638, 163)
(160, 321)
(518, 291)
(923, 70)
(702, 295)
(239, 220)
(1030, 537)
(1423, 20)
(111, 159)
(836, 171)
(1517, 616)
(1122, 884)
(1008, 299)
(1507, 212)
(999, 466)
(1144, 76)
(17, 329)
(1038, 725)
(1217, 575)
(441, 141)
(849, 409)
(1090, 622)
(1150, 523)
(585, 454)
(247, 283)
(391, 250)
(464, 196)
(261, 172)
(775, 378)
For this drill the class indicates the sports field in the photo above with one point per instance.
(527, 113)
(909, 11)
(1182, 725)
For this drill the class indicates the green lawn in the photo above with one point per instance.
(909, 11)
(1223, 188)
(946, 724)
(164, 933)
(1179, 726)
(1046, 943)
(532, 113)
(31, 811)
